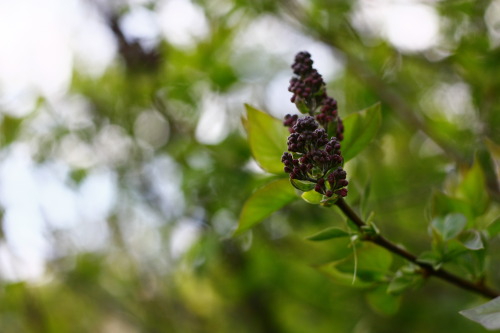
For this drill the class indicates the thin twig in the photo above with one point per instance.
(429, 270)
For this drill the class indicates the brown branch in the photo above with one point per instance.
(429, 270)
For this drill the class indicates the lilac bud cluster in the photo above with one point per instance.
(328, 116)
(314, 142)
(309, 95)
(308, 87)
(313, 157)
(289, 121)
(336, 181)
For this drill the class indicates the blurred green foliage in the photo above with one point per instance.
(265, 280)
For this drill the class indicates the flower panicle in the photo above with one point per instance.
(310, 97)
(314, 153)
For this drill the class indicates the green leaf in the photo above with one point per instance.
(370, 229)
(487, 162)
(473, 262)
(404, 279)
(471, 239)
(443, 204)
(453, 249)
(382, 302)
(487, 314)
(267, 138)
(374, 258)
(302, 185)
(312, 197)
(373, 264)
(430, 258)
(301, 106)
(359, 130)
(473, 189)
(494, 227)
(449, 226)
(9, 129)
(264, 202)
(341, 277)
(328, 233)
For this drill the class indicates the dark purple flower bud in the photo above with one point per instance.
(342, 182)
(290, 121)
(342, 192)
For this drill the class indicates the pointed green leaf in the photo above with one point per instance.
(430, 258)
(473, 189)
(494, 227)
(473, 262)
(302, 185)
(453, 249)
(359, 130)
(9, 128)
(404, 279)
(449, 226)
(341, 277)
(487, 314)
(312, 197)
(264, 202)
(328, 233)
(370, 229)
(382, 302)
(370, 262)
(471, 239)
(374, 258)
(443, 204)
(267, 138)
(487, 161)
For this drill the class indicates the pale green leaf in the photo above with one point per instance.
(494, 227)
(453, 249)
(382, 302)
(371, 266)
(302, 185)
(404, 279)
(473, 189)
(328, 233)
(341, 277)
(487, 314)
(471, 239)
(264, 202)
(359, 130)
(312, 197)
(443, 204)
(267, 138)
(449, 226)
(430, 258)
